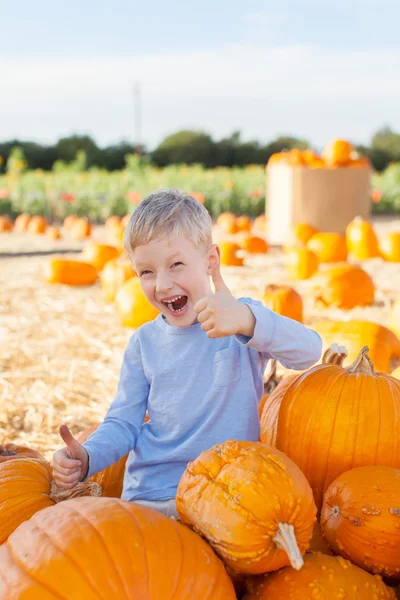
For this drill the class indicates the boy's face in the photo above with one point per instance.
(174, 275)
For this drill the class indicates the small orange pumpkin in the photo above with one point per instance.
(115, 273)
(112, 222)
(80, 229)
(345, 286)
(330, 247)
(5, 224)
(228, 254)
(284, 300)
(241, 496)
(132, 305)
(260, 224)
(390, 246)
(360, 518)
(227, 222)
(21, 223)
(243, 223)
(99, 254)
(301, 233)
(361, 239)
(301, 263)
(125, 220)
(254, 245)
(69, 221)
(70, 272)
(53, 233)
(37, 225)
(337, 153)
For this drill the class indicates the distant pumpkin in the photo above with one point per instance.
(53, 233)
(115, 273)
(229, 254)
(243, 223)
(345, 286)
(70, 272)
(21, 223)
(284, 300)
(37, 225)
(390, 246)
(132, 305)
(337, 153)
(301, 263)
(227, 222)
(99, 254)
(361, 239)
(329, 247)
(254, 245)
(80, 229)
(5, 224)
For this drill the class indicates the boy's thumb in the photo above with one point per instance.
(219, 283)
(72, 444)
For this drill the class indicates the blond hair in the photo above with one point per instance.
(168, 212)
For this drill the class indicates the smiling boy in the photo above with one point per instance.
(197, 368)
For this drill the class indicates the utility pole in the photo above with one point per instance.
(137, 115)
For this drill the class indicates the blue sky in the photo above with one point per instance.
(315, 69)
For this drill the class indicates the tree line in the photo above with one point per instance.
(187, 146)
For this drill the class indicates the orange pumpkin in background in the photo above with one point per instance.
(125, 219)
(69, 221)
(337, 153)
(390, 246)
(330, 247)
(99, 254)
(112, 222)
(37, 225)
(132, 305)
(21, 223)
(115, 273)
(301, 233)
(360, 518)
(5, 224)
(254, 245)
(284, 300)
(227, 222)
(344, 286)
(70, 272)
(301, 263)
(80, 229)
(260, 224)
(361, 239)
(229, 254)
(252, 504)
(243, 223)
(53, 233)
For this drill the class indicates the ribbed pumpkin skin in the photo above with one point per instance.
(360, 518)
(361, 239)
(70, 272)
(345, 287)
(329, 247)
(132, 305)
(236, 493)
(94, 548)
(383, 345)
(13, 451)
(270, 411)
(24, 489)
(112, 478)
(322, 578)
(285, 301)
(332, 420)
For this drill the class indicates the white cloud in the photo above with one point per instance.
(300, 90)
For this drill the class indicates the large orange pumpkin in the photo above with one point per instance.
(301, 263)
(332, 419)
(361, 239)
(344, 286)
(11, 451)
(384, 346)
(70, 272)
(132, 305)
(390, 246)
(284, 300)
(337, 153)
(112, 478)
(92, 548)
(329, 247)
(360, 518)
(252, 504)
(99, 254)
(228, 254)
(321, 578)
(26, 486)
(114, 274)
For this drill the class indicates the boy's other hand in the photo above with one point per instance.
(220, 314)
(70, 464)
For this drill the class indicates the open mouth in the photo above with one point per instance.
(177, 304)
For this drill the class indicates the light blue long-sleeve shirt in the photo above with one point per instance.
(198, 392)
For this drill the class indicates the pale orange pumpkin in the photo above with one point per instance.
(99, 254)
(37, 225)
(92, 548)
(26, 486)
(21, 223)
(301, 263)
(300, 233)
(70, 272)
(110, 479)
(337, 153)
(80, 229)
(69, 221)
(6, 224)
(199, 196)
(344, 286)
(53, 233)
(241, 496)
(227, 222)
(115, 273)
(284, 300)
(361, 239)
(254, 245)
(333, 418)
(132, 305)
(330, 247)
(260, 224)
(384, 346)
(112, 222)
(228, 254)
(360, 518)
(243, 223)
(390, 246)
(321, 578)
(394, 318)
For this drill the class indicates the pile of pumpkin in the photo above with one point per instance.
(78, 228)
(337, 154)
(310, 511)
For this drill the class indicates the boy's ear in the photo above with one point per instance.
(213, 258)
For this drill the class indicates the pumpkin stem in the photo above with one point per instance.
(363, 363)
(334, 355)
(89, 488)
(271, 381)
(4, 451)
(285, 540)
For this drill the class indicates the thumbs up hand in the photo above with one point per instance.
(70, 465)
(221, 314)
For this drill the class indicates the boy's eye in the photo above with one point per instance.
(144, 273)
(177, 264)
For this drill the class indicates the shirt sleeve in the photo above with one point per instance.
(291, 343)
(118, 433)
